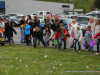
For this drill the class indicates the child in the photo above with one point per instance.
(38, 35)
(61, 34)
(27, 33)
(77, 37)
(88, 38)
(49, 35)
(98, 40)
(9, 33)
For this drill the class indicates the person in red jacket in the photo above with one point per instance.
(98, 40)
(61, 34)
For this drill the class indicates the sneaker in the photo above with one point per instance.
(26, 46)
(79, 50)
(58, 49)
(74, 51)
(96, 53)
(52, 44)
(71, 46)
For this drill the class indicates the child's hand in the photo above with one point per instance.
(64, 34)
(52, 37)
(33, 38)
(49, 39)
(97, 37)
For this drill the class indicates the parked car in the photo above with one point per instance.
(13, 20)
(41, 18)
(1, 14)
(97, 15)
(69, 14)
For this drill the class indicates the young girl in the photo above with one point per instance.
(88, 39)
(61, 34)
(27, 33)
(77, 37)
(49, 35)
(98, 40)
(96, 27)
(72, 27)
(9, 33)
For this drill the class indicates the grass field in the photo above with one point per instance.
(21, 60)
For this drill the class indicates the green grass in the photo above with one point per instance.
(28, 55)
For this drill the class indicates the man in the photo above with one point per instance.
(56, 23)
(2, 23)
(22, 21)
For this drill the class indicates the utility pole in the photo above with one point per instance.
(73, 6)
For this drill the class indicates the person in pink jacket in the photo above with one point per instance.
(98, 40)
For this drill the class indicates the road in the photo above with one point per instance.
(17, 39)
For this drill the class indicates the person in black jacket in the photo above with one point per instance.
(22, 21)
(38, 35)
(29, 20)
(9, 33)
(56, 23)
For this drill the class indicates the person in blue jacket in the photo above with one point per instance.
(27, 33)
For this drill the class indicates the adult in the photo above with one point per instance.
(2, 23)
(48, 22)
(36, 22)
(56, 23)
(29, 19)
(96, 27)
(92, 24)
(22, 21)
(71, 28)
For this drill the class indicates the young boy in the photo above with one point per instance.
(98, 40)
(88, 38)
(38, 35)
(77, 37)
(61, 34)
(27, 33)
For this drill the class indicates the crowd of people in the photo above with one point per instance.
(55, 30)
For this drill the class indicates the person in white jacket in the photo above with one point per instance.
(78, 34)
(96, 27)
(71, 28)
(92, 24)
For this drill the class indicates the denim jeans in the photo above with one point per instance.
(59, 43)
(90, 49)
(22, 35)
(46, 42)
(40, 39)
(79, 44)
(98, 41)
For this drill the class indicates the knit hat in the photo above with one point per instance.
(78, 25)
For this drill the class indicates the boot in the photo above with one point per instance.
(13, 43)
(9, 43)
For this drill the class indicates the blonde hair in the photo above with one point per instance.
(47, 18)
(74, 20)
(61, 24)
(92, 19)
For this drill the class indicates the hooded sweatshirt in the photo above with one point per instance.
(27, 29)
(78, 34)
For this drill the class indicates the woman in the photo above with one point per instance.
(92, 24)
(96, 27)
(36, 22)
(72, 27)
(29, 19)
(48, 21)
